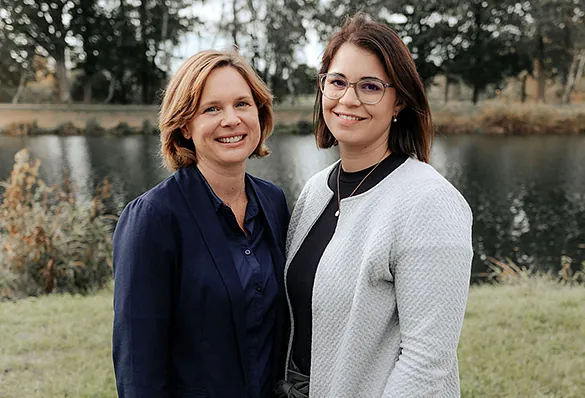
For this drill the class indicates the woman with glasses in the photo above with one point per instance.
(379, 245)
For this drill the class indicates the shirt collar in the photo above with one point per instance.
(252, 208)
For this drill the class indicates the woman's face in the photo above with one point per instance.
(226, 127)
(359, 127)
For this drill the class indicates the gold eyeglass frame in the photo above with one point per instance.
(322, 77)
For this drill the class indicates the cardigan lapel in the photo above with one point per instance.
(193, 190)
(310, 205)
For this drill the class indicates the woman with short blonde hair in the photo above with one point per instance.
(182, 97)
(199, 258)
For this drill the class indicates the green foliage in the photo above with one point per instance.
(481, 42)
(51, 243)
(127, 43)
(490, 47)
(126, 49)
(39, 28)
(269, 33)
(121, 51)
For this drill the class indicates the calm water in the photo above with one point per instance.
(527, 193)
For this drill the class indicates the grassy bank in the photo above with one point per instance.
(79, 119)
(490, 117)
(493, 117)
(518, 341)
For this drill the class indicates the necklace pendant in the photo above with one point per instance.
(337, 213)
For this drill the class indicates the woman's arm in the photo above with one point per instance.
(433, 265)
(143, 264)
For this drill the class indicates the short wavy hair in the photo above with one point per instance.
(183, 95)
(412, 133)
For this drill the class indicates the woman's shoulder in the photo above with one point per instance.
(319, 179)
(157, 199)
(421, 183)
(422, 177)
(267, 187)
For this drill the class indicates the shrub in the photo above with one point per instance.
(509, 272)
(51, 243)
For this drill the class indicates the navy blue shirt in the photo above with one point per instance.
(253, 261)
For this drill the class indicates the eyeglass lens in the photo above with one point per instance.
(367, 90)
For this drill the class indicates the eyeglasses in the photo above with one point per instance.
(368, 91)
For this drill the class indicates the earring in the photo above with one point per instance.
(395, 118)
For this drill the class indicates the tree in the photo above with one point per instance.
(556, 30)
(91, 25)
(159, 25)
(43, 25)
(269, 33)
(16, 61)
(490, 44)
(575, 75)
(127, 46)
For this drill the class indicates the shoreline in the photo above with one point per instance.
(491, 118)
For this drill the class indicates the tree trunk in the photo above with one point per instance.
(62, 78)
(87, 90)
(446, 94)
(541, 73)
(574, 76)
(144, 81)
(111, 89)
(580, 69)
(21, 85)
(167, 56)
(235, 25)
(475, 97)
(524, 78)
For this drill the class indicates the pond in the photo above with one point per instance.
(527, 192)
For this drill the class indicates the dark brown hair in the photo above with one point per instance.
(412, 134)
(183, 94)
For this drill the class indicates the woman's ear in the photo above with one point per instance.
(398, 107)
(186, 133)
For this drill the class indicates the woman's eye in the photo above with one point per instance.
(211, 109)
(241, 104)
(371, 86)
(338, 83)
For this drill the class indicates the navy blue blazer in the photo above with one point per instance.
(179, 316)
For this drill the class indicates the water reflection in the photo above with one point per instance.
(78, 164)
(527, 193)
(292, 162)
(49, 150)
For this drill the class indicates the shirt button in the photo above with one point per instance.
(258, 287)
(247, 252)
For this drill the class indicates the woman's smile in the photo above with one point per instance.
(348, 119)
(232, 140)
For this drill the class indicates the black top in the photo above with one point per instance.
(303, 267)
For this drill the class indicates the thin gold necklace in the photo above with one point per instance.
(236, 200)
(356, 188)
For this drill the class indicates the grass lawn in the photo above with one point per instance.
(524, 341)
(518, 341)
(57, 346)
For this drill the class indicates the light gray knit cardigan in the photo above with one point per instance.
(391, 287)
